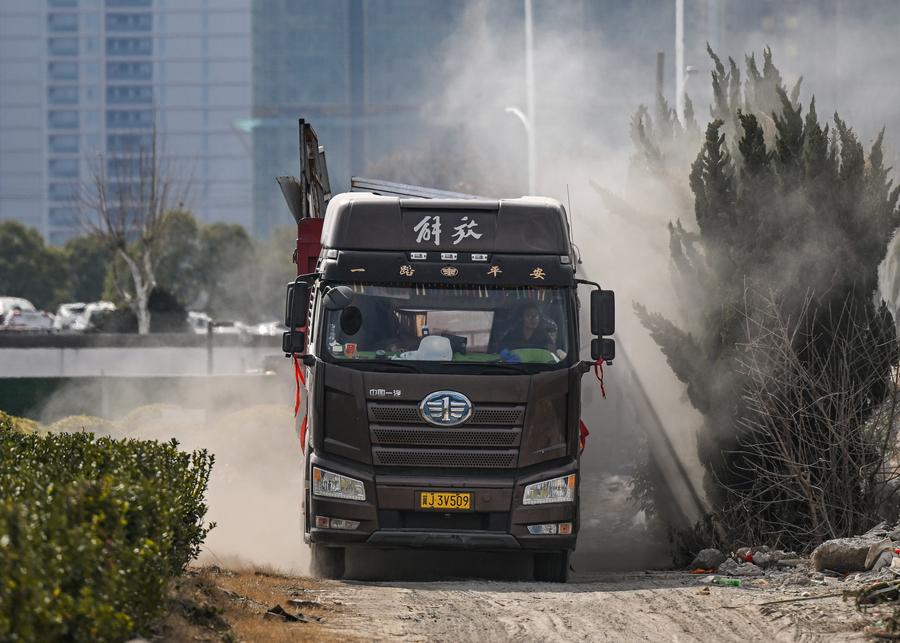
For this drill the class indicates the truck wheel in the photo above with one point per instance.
(327, 562)
(552, 566)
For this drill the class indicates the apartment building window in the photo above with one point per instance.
(62, 22)
(129, 3)
(90, 94)
(63, 168)
(91, 23)
(130, 143)
(63, 217)
(137, 119)
(63, 143)
(129, 22)
(62, 95)
(129, 71)
(62, 71)
(62, 192)
(129, 46)
(124, 168)
(60, 237)
(62, 119)
(91, 71)
(129, 94)
(62, 46)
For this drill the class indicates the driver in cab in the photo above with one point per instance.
(529, 332)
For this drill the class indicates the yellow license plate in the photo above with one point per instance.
(445, 501)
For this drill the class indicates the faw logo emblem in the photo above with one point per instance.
(446, 408)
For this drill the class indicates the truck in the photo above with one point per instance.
(436, 339)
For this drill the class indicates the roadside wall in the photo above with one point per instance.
(160, 355)
(49, 376)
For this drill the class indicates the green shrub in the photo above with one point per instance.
(91, 532)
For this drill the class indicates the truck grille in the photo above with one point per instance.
(490, 439)
(444, 457)
(408, 436)
(409, 414)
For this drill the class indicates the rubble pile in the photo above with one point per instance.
(871, 557)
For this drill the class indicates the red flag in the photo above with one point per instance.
(299, 379)
(598, 373)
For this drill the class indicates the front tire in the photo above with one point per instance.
(327, 562)
(552, 567)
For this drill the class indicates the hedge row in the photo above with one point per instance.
(91, 532)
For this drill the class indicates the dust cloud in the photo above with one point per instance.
(588, 84)
(248, 423)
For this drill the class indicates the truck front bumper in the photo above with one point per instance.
(389, 517)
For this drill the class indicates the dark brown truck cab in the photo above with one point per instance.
(439, 344)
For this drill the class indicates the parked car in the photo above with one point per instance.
(67, 314)
(85, 321)
(229, 327)
(198, 321)
(20, 314)
(270, 329)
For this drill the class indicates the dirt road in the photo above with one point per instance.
(653, 606)
(645, 607)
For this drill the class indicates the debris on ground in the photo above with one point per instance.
(733, 568)
(864, 569)
(848, 555)
(278, 613)
(708, 559)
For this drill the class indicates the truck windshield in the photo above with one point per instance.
(450, 324)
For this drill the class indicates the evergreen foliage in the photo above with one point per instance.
(92, 530)
(28, 268)
(792, 220)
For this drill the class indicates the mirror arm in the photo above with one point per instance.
(309, 278)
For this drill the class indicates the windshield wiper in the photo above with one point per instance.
(505, 366)
(386, 366)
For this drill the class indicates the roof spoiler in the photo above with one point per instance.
(390, 188)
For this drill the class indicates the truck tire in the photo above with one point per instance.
(551, 566)
(327, 562)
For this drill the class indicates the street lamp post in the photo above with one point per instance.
(527, 117)
(529, 135)
(679, 59)
(529, 97)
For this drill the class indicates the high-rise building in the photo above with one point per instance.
(356, 69)
(85, 79)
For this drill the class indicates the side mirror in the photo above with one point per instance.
(296, 304)
(337, 297)
(293, 341)
(295, 310)
(603, 348)
(603, 313)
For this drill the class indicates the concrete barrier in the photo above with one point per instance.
(108, 355)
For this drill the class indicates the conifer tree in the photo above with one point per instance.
(780, 334)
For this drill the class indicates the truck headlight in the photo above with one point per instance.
(555, 490)
(334, 485)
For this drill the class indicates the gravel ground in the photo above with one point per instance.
(648, 606)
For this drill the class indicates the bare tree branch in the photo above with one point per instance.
(124, 203)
